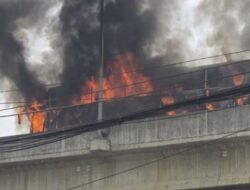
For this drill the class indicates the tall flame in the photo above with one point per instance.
(37, 119)
(35, 116)
(121, 81)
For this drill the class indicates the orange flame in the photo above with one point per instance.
(90, 93)
(210, 106)
(36, 117)
(121, 81)
(238, 80)
(241, 101)
(169, 100)
(171, 113)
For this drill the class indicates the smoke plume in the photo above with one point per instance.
(12, 59)
(130, 26)
(228, 23)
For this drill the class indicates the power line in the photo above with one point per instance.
(86, 128)
(11, 108)
(46, 141)
(6, 147)
(136, 70)
(64, 133)
(18, 137)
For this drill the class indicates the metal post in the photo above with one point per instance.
(205, 88)
(205, 83)
(100, 88)
(206, 93)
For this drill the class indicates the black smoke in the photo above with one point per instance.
(80, 33)
(130, 26)
(12, 60)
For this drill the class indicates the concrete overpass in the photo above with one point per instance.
(87, 157)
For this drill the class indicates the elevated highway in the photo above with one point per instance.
(174, 153)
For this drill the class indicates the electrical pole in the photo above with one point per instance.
(100, 86)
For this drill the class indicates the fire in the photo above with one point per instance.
(241, 101)
(121, 81)
(36, 119)
(169, 100)
(210, 106)
(238, 80)
(171, 113)
(90, 93)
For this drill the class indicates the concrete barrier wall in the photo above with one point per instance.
(139, 135)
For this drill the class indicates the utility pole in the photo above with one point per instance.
(100, 86)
